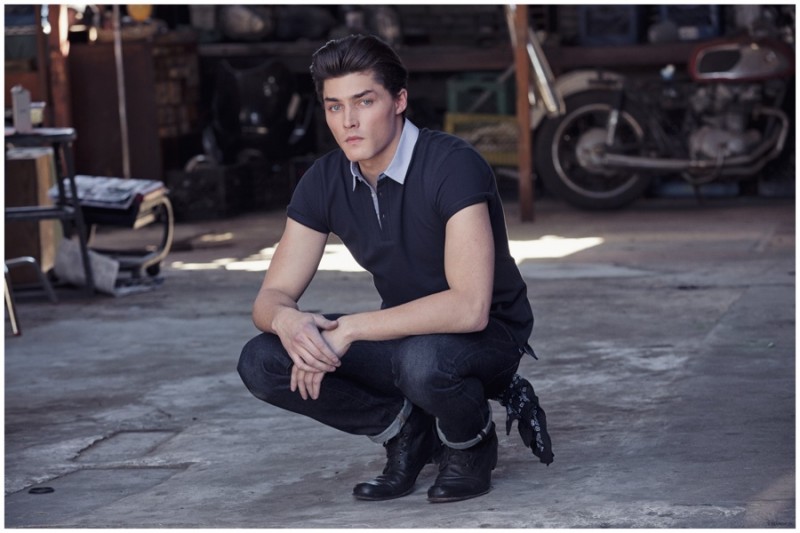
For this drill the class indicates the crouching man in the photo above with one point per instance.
(420, 211)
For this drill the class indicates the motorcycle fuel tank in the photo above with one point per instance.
(735, 61)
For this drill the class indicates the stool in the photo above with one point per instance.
(127, 203)
(66, 208)
(154, 208)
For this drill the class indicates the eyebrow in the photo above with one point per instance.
(354, 97)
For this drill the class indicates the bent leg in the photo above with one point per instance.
(355, 398)
(451, 377)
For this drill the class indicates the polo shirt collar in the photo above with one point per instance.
(398, 168)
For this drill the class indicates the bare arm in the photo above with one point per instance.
(275, 309)
(463, 307)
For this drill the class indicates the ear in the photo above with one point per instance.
(401, 102)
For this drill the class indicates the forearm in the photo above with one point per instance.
(292, 267)
(462, 308)
(448, 311)
(269, 305)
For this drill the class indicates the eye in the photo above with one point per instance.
(366, 102)
(334, 108)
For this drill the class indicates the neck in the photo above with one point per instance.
(373, 168)
(370, 176)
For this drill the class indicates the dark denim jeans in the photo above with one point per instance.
(449, 376)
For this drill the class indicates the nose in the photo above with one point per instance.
(350, 117)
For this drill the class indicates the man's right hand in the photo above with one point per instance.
(300, 334)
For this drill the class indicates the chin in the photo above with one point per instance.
(354, 155)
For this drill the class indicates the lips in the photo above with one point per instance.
(353, 139)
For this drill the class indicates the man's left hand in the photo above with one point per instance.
(306, 383)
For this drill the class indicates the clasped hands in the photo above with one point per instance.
(315, 345)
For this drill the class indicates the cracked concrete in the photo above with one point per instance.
(666, 338)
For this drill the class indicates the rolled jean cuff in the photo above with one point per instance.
(470, 443)
(394, 427)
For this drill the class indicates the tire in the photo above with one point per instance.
(566, 176)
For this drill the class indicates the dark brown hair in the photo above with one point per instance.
(359, 53)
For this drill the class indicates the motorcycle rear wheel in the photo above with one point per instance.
(567, 173)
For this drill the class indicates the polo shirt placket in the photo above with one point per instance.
(390, 183)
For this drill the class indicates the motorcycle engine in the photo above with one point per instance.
(723, 112)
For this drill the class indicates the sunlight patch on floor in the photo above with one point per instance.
(337, 258)
(551, 247)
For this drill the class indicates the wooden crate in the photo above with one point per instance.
(494, 136)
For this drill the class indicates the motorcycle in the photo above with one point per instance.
(601, 137)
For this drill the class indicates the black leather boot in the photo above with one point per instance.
(407, 453)
(465, 474)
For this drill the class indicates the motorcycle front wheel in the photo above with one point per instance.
(561, 145)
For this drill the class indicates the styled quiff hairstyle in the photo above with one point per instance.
(359, 53)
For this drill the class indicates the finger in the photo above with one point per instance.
(324, 323)
(301, 384)
(293, 380)
(310, 382)
(317, 365)
(305, 367)
(316, 385)
(318, 357)
(310, 385)
(309, 344)
(304, 359)
(320, 348)
(302, 389)
(318, 342)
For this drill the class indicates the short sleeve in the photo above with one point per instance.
(466, 179)
(307, 205)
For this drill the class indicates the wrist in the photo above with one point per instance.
(346, 328)
(279, 317)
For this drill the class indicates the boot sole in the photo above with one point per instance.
(383, 498)
(450, 499)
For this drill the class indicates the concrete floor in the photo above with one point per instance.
(666, 338)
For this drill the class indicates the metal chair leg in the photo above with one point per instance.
(9, 291)
(10, 306)
(28, 260)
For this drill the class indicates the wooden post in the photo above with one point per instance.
(42, 91)
(524, 156)
(121, 100)
(57, 49)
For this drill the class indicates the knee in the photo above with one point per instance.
(248, 359)
(414, 382)
(262, 357)
(418, 373)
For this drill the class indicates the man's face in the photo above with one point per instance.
(365, 119)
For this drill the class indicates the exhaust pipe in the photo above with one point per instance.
(742, 165)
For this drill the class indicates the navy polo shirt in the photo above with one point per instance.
(404, 250)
